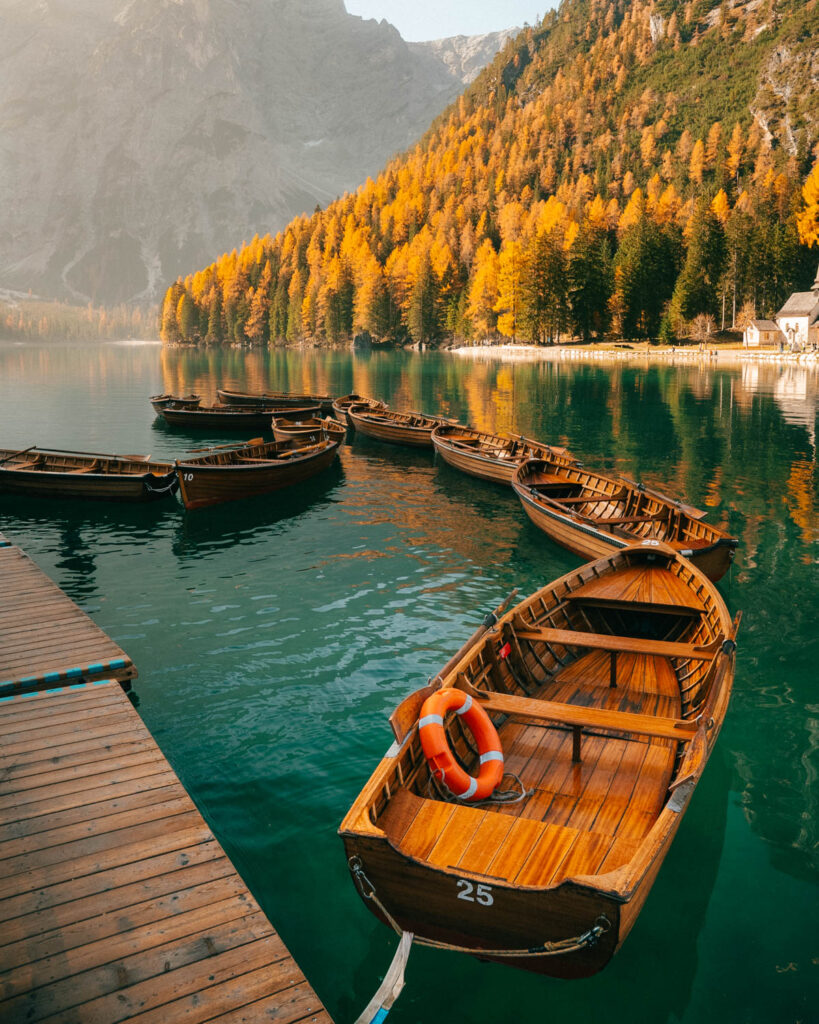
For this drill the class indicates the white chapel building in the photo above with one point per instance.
(798, 320)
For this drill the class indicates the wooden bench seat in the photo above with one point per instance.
(577, 715)
(632, 519)
(597, 498)
(624, 644)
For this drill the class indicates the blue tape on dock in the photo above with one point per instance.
(380, 1016)
(117, 663)
(51, 677)
(72, 673)
(93, 669)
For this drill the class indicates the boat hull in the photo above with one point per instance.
(589, 542)
(203, 485)
(160, 402)
(89, 486)
(248, 419)
(516, 919)
(268, 399)
(308, 434)
(392, 433)
(482, 466)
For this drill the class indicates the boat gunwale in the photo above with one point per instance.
(310, 451)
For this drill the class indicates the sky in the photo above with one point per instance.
(418, 20)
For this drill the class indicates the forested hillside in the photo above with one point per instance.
(624, 168)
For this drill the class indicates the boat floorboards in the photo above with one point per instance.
(45, 638)
(577, 818)
(116, 901)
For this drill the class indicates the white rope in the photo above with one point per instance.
(392, 985)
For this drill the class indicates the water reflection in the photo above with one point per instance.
(293, 626)
(220, 527)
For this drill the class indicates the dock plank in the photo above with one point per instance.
(45, 638)
(116, 901)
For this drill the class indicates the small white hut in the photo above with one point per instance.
(799, 318)
(761, 332)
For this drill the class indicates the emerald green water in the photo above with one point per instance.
(274, 637)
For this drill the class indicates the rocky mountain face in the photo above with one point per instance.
(141, 138)
(466, 56)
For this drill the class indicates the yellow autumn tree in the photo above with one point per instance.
(483, 295)
(808, 219)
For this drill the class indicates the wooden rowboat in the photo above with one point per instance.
(592, 514)
(279, 399)
(248, 470)
(341, 406)
(160, 402)
(308, 431)
(493, 457)
(60, 474)
(607, 690)
(227, 417)
(412, 428)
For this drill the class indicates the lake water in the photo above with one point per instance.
(274, 637)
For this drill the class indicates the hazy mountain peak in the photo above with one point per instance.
(142, 138)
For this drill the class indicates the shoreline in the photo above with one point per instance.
(641, 351)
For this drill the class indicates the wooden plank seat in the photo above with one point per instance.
(247, 458)
(85, 469)
(632, 519)
(547, 483)
(596, 498)
(625, 644)
(576, 715)
(35, 464)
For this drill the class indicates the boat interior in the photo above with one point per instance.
(58, 462)
(595, 691)
(615, 506)
(265, 452)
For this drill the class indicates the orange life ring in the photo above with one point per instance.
(441, 760)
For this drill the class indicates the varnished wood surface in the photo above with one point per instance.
(592, 514)
(278, 399)
(54, 474)
(607, 703)
(116, 901)
(251, 470)
(235, 417)
(44, 637)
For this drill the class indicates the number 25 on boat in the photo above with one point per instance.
(534, 788)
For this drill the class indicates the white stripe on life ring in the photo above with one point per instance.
(473, 785)
(492, 755)
(430, 720)
(467, 704)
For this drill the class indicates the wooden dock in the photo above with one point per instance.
(45, 639)
(116, 901)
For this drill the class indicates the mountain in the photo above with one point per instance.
(466, 56)
(139, 138)
(631, 167)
